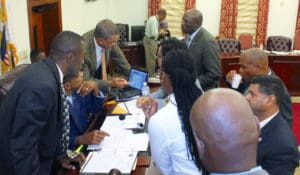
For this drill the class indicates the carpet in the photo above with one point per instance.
(296, 121)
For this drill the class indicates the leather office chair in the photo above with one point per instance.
(279, 43)
(246, 41)
(123, 32)
(297, 42)
(8, 80)
(229, 45)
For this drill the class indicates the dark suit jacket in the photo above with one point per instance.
(285, 106)
(277, 151)
(89, 66)
(30, 127)
(206, 53)
(80, 109)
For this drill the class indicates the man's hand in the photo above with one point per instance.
(68, 163)
(94, 137)
(148, 105)
(87, 87)
(230, 75)
(118, 83)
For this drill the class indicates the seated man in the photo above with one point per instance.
(255, 62)
(80, 107)
(37, 55)
(277, 148)
(101, 47)
(226, 135)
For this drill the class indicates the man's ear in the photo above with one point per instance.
(67, 86)
(200, 147)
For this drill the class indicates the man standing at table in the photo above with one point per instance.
(152, 32)
(204, 48)
(31, 115)
(101, 47)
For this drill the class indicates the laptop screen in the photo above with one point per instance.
(137, 78)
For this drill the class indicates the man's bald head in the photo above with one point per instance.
(226, 131)
(253, 62)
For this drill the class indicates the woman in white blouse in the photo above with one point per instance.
(173, 147)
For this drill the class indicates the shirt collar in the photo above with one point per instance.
(98, 53)
(195, 33)
(270, 72)
(61, 74)
(252, 170)
(267, 120)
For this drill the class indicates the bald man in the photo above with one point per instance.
(226, 136)
(254, 62)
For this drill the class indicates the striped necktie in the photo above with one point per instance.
(103, 65)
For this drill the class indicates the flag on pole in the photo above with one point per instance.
(8, 51)
(4, 54)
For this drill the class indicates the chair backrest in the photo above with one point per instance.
(246, 41)
(229, 45)
(297, 42)
(279, 43)
(123, 32)
(8, 80)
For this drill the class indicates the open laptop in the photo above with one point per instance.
(136, 78)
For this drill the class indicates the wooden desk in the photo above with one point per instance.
(134, 54)
(287, 67)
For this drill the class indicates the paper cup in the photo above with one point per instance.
(236, 81)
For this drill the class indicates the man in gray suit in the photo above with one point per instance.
(226, 136)
(104, 39)
(203, 48)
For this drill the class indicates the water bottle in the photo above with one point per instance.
(145, 89)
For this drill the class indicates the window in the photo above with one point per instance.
(175, 10)
(247, 17)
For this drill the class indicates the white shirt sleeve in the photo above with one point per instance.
(159, 146)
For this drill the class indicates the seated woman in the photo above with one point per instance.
(172, 143)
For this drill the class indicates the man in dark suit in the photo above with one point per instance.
(80, 109)
(226, 135)
(104, 39)
(204, 48)
(255, 62)
(277, 148)
(31, 113)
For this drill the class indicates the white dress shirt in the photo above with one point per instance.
(267, 120)
(98, 53)
(254, 170)
(167, 142)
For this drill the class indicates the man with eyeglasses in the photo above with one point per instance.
(101, 47)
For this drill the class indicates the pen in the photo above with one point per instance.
(79, 148)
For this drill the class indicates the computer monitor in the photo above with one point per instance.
(137, 33)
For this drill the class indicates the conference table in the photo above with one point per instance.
(285, 65)
(143, 158)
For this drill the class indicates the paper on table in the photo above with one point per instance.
(104, 161)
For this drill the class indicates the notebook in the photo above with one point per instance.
(136, 78)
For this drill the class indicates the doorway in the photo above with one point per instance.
(44, 18)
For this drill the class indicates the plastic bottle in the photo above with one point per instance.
(145, 89)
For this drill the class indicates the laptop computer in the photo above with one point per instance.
(136, 78)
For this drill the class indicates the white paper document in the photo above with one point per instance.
(104, 161)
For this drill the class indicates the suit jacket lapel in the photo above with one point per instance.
(196, 38)
(92, 53)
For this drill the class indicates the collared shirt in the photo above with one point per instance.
(252, 170)
(61, 74)
(152, 27)
(98, 53)
(267, 120)
(192, 36)
(168, 143)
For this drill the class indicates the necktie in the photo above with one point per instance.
(103, 65)
(65, 119)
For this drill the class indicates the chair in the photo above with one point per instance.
(229, 45)
(246, 41)
(279, 43)
(297, 42)
(123, 32)
(8, 80)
